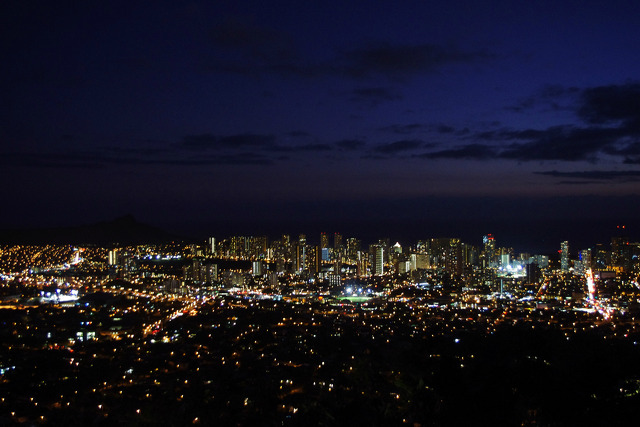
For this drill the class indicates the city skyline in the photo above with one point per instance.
(420, 119)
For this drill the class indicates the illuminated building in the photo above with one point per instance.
(324, 246)
(600, 257)
(564, 256)
(238, 244)
(489, 250)
(257, 246)
(361, 264)
(376, 254)
(454, 262)
(257, 268)
(621, 250)
(113, 257)
(324, 240)
(397, 248)
(337, 241)
(585, 258)
(312, 259)
(353, 247)
(419, 261)
(334, 279)
(541, 260)
(505, 259)
(337, 247)
(212, 245)
(211, 273)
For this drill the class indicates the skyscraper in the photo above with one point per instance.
(324, 240)
(376, 254)
(324, 246)
(564, 256)
(212, 245)
(113, 257)
(353, 247)
(337, 241)
(488, 251)
(621, 250)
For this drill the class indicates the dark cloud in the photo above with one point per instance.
(398, 146)
(247, 49)
(611, 104)
(612, 126)
(402, 61)
(554, 97)
(245, 158)
(374, 95)
(445, 129)
(100, 158)
(63, 160)
(595, 175)
(564, 143)
(204, 149)
(244, 48)
(470, 151)
(412, 128)
(298, 134)
(629, 149)
(632, 160)
(350, 144)
(262, 44)
(612, 117)
(119, 152)
(314, 147)
(405, 129)
(230, 142)
(577, 183)
(561, 143)
(300, 148)
(555, 143)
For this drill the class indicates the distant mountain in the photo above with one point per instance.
(123, 231)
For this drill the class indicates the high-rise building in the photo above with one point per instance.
(237, 246)
(585, 258)
(312, 260)
(541, 260)
(376, 254)
(488, 250)
(533, 272)
(621, 250)
(257, 246)
(257, 268)
(337, 247)
(361, 264)
(454, 262)
(212, 245)
(419, 261)
(353, 247)
(564, 256)
(211, 273)
(324, 247)
(505, 260)
(113, 257)
(324, 240)
(337, 241)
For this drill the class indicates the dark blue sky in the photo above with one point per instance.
(402, 118)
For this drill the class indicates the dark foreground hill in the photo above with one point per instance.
(124, 231)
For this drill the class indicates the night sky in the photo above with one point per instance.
(410, 119)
